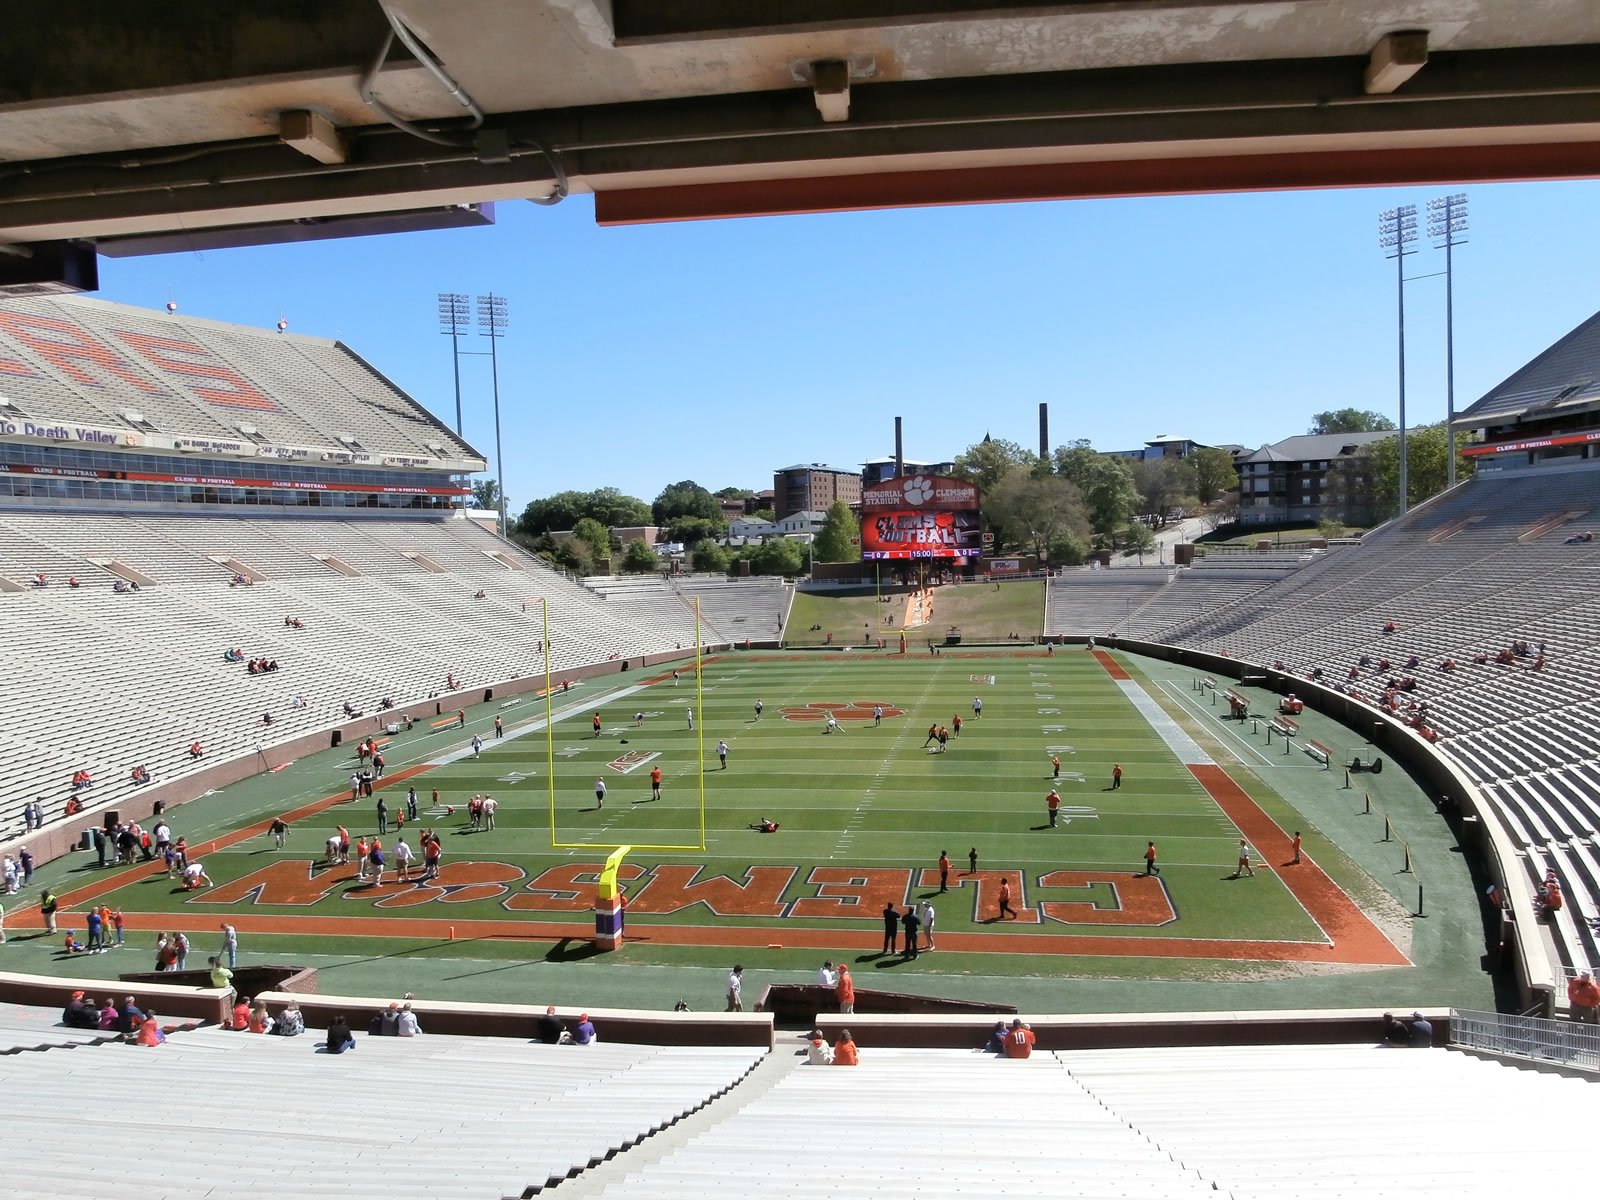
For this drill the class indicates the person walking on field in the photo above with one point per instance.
(1150, 867)
(736, 989)
(599, 793)
(955, 725)
(977, 706)
(1005, 901)
(596, 723)
(933, 735)
(1244, 868)
(1116, 776)
(690, 713)
(759, 707)
(722, 753)
(1052, 804)
(499, 727)
(944, 870)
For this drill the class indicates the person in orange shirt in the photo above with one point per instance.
(1583, 994)
(1052, 804)
(844, 1050)
(1055, 766)
(1019, 1040)
(1295, 846)
(845, 989)
(597, 724)
(1116, 776)
(944, 870)
(655, 783)
(1150, 867)
(150, 1031)
(1005, 900)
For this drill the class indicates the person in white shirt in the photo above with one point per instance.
(402, 859)
(477, 746)
(599, 793)
(722, 753)
(490, 807)
(690, 713)
(928, 916)
(827, 977)
(406, 1025)
(736, 990)
(818, 1052)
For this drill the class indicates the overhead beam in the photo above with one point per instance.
(1394, 60)
(1103, 180)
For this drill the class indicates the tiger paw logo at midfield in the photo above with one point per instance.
(855, 710)
(919, 488)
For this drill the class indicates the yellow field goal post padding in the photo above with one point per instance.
(615, 850)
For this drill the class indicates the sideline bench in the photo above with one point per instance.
(1319, 751)
(1238, 706)
(1284, 727)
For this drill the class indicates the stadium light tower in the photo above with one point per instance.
(455, 319)
(492, 320)
(1447, 217)
(1397, 229)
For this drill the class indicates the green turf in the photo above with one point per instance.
(869, 799)
(979, 612)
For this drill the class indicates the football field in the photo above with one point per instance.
(863, 807)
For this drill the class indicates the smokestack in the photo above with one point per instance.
(899, 452)
(1044, 432)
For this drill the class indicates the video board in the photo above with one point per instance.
(920, 516)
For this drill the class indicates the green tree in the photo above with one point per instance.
(1427, 452)
(733, 493)
(564, 510)
(1036, 512)
(594, 535)
(689, 530)
(1104, 481)
(1215, 474)
(1137, 538)
(637, 556)
(708, 556)
(987, 462)
(685, 498)
(763, 514)
(833, 539)
(486, 494)
(575, 555)
(1069, 550)
(1349, 420)
(780, 556)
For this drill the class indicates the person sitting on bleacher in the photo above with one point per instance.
(72, 581)
(818, 1052)
(195, 750)
(1538, 663)
(1448, 664)
(140, 775)
(41, 580)
(80, 1015)
(1390, 627)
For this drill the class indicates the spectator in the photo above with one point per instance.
(844, 1050)
(548, 1027)
(340, 1038)
(846, 990)
(80, 1014)
(47, 909)
(827, 977)
(291, 1022)
(150, 1033)
(195, 877)
(818, 1052)
(997, 1039)
(407, 1025)
(1421, 1030)
(1019, 1040)
(241, 1013)
(258, 1020)
(1583, 994)
(221, 976)
(584, 1033)
(195, 750)
(129, 1017)
(108, 1016)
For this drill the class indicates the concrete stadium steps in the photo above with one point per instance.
(1345, 1121)
(918, 1123)
(396, 1117)
(24, 1028)
(1095, 602)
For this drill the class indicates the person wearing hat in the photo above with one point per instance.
(1583, 994)
(1421, 1030)
(1019, 1040)
(584, 1033)
(818, 1052)
(80, 1014)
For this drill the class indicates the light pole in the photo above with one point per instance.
(492, 325)
(1397, 229)
(1447, 217)
(455, 320)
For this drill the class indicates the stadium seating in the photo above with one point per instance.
(1094, 602)
(148, 666)
(413, 1117)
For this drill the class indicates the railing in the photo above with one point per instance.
(1527, 1037)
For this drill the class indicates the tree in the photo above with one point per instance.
(1038, 512)
(780, 556)
(1137, 538)
(733, 493)
(833, 539)
(575, 554)
(1218, 515)
(686, 531)
(1163, 483)
(1104, 481)
(685, 498)
(638, 556)
(1215, 474)
(1349, 420)
(1427, 450)
(594, 535)
(486, 494)
(763, 514)
(708, 556)
(988, 462)
(564, 510)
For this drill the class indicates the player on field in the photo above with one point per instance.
(655, 783)
(599, 793)
(759, 707)
(722, 753)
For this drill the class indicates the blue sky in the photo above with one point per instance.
(717, 351)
